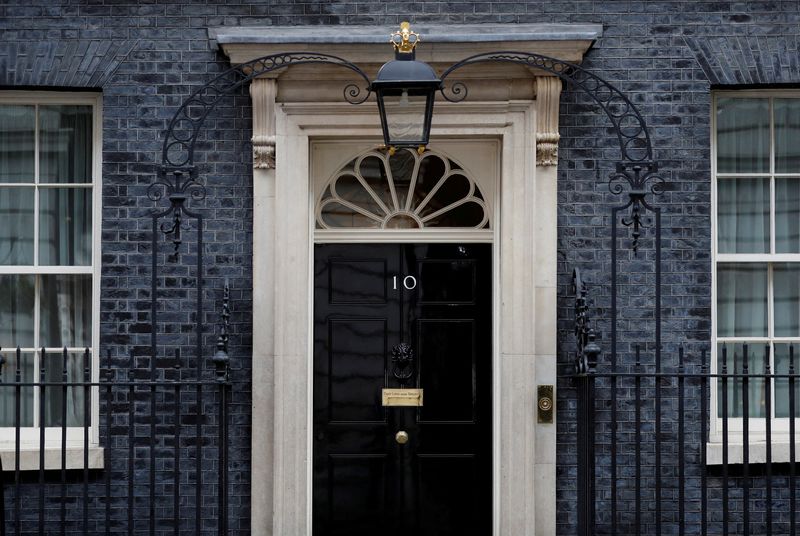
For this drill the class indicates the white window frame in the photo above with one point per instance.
(29, 436)
(756, 425)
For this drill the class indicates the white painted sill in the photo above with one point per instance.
(29, 458)
(757, 453)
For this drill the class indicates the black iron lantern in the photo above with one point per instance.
(405, 89)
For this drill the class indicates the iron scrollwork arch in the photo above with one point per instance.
(636, 171)
(178, 180)
(629, 125)
(636, 165)
(184, 127)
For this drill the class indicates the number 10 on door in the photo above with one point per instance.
(409, 282)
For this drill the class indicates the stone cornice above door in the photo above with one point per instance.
(440, 46)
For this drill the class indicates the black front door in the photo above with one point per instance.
(370, 300)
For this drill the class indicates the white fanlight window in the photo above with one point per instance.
(404, 190)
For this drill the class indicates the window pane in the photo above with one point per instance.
(742, 300)
(65, 143)
(17, 142)
(782, 360)
(337, 215)
(65, 226)
(66, 310)
(743, 215)
(8, 397)
(16, 310)
(401, 165)
(742, 135)
(787, 132)
(54, 400)
(16, 225)
(469, 214)
(373, 172)
(787, 215)
(786, 295)
(350, 189)
(735, 386)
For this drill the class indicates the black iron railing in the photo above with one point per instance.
(164, 439)
(689, 451)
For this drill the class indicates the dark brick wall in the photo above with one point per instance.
(147, 56)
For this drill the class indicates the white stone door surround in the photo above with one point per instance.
(285, 122)
(526, 259)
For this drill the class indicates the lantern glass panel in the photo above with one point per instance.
(405, 116)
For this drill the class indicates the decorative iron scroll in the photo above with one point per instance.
(640, 179)
(588, 350)
(629, 125)
(636, 164)
(177, 190)
(181, 135)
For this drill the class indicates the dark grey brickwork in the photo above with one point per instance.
(147, 56)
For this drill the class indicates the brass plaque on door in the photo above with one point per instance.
(402, 397)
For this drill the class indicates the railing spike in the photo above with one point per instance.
(221, 358)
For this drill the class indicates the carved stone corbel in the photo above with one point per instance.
(262, 92)
(548, 92)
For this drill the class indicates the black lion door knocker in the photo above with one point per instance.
(402, 363)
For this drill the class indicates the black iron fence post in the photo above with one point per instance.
(586, 357)
(586, 484)
(221, 362)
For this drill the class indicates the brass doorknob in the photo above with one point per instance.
(401, 437)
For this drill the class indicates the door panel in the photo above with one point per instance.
(446, 485)
(348, 492)
(446, 351)
(356, 367)
(369, 298)
(447, 281)
(357, 281)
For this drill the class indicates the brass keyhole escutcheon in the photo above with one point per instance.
(401, 437)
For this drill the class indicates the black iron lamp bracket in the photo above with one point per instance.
(184, 128)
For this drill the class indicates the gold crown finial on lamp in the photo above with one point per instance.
(404, 40)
